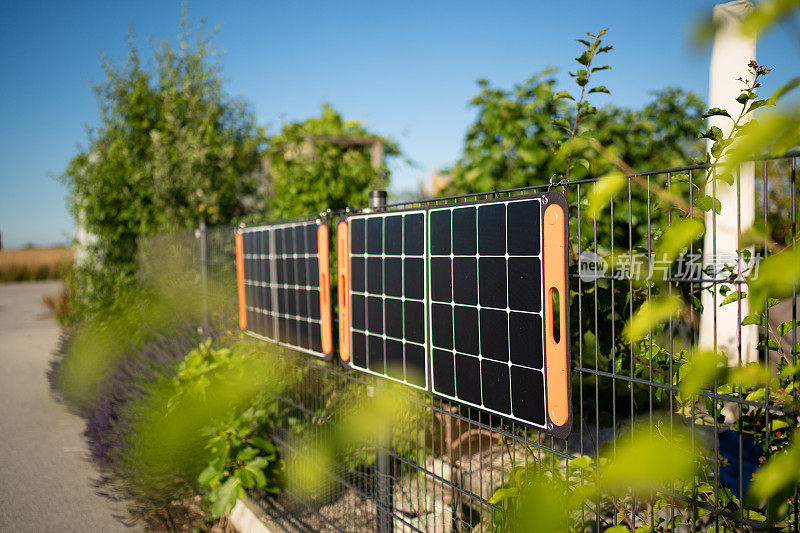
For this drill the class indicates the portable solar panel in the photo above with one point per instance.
(284, 287)
(497, 270)
(382, 295)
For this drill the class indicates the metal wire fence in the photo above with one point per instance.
(440, 467)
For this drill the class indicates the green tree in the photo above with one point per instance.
(516, 136)
(171, 149)
(324, 162)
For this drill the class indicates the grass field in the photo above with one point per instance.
(28, 264)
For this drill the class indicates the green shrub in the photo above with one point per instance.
(324, 163)
(201, 430)
(93, 349)
(171, 148)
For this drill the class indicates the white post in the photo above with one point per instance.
(720, 326)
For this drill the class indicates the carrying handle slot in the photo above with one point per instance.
(325, 290)
(343, 283)
(323, 283)
(240, 280)
(555, 307)
(555, 323)
(343, 253)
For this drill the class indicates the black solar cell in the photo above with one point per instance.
(486, 323)
(282, 290)
(387, 289)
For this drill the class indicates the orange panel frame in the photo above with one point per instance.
(240, 280)
(343, 251)
(555, 279)
(324, 289)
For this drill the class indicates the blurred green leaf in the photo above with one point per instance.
(584, 461)
(677, 237)
(264, 444)
(503, 494)
(778, 423)
(226, 497)
(775, 132)
(776, 276)
(562, 123)
(751, 375)
(778, 476)
(209, 476)
(541, 507)
(706, 203)
(702, 369)
(603, 191)
(768, 14)
(650, 314)
(787, 327)
(649, 461)
(759, 103)
(785, 88)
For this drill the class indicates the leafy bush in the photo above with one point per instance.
(206, 414)
(516, 138)
(324, 163)
(139, 369)
(171, 149)
(157, 417)
(93, 349)
(241, 458)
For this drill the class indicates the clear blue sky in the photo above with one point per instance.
(406, 69)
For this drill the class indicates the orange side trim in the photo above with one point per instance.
(343, 251)
(240, 281)
(324, 289)
(554, 279)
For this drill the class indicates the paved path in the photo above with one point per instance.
(44, 479)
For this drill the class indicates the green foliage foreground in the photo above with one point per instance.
(198, 431)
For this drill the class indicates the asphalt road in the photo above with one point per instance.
(44, 478)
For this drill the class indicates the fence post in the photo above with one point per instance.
(202, 235)
(720, 326)
(383, 462)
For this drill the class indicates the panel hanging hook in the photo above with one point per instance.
(324, 215)
(553, 183)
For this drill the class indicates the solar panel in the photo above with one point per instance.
(284, 288)
(492, 346)
(382, 288)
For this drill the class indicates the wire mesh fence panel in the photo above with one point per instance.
(219, 265)
(445, 466)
